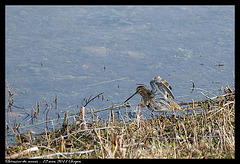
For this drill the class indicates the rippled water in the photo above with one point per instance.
(78, 51)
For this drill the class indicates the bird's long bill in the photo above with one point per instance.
(131, 96)
(168, 90)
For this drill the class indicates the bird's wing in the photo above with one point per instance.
(164, 82)
(162, 86)
(160, 105)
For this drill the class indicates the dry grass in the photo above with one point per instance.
(208, 134)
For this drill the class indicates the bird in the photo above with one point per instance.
(172, 103)
(159, 98)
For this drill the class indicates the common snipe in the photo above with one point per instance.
(159, 98)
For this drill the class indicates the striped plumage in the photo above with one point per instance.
(159, 98)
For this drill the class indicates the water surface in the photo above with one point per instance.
(63, 50)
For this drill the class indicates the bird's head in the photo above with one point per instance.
(140, 90)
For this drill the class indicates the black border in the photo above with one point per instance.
(69, 2)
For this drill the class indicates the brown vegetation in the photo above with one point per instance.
(206, 134)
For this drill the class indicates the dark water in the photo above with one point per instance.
(133, 43)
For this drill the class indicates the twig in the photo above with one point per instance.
(134, 144)
(112, 107)
(47, 148)
(35, 148)
(188, 103)
(65, 153)
(205, 95)
(11, 98)
(91, 99)
(179, 138)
